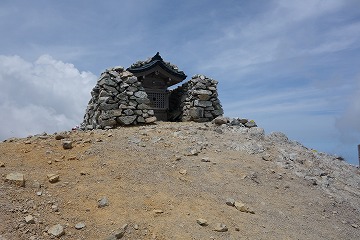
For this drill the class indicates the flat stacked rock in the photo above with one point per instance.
(198, 99)
(118, 99)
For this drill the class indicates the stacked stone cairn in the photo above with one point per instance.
(238, 122)
(118, 99)
(197, 100)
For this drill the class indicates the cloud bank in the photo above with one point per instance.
(44, 95)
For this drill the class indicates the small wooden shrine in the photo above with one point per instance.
(156, 76)
(141, 95)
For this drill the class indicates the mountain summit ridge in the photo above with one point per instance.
(175, 180)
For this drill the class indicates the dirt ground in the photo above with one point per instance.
(159, 180)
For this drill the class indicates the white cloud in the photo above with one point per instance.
(46, 95)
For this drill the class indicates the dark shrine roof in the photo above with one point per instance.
(156, 61)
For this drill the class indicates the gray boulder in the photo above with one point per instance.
(126, 120)
(221, 120)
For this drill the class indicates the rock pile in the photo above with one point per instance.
(240, 122)
(196, 100)
(117, 99)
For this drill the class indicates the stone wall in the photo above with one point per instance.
(196, 100)
(117, 99)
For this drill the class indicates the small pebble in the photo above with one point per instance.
(53, 178)
(56, 230)
(158, 211)
(220, 227)
(205, 159)
(80, 225)
(67, 144)
(230, 202)
(121, 232)
(29, 219)
(201, 222)
(55, 208)
(103, 202)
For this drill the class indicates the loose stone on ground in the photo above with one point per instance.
(201, 222)
(230, 202)
(67, 144)
(121, 231)
(59, 137)
(220, 227)
(53, 178)
(103, 202)
(16, 178)
(80, 225)
(56, 230)
(158, 211)
(205, 159)
(243, 208)
(29, 219)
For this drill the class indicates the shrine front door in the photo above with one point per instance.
(159, 101)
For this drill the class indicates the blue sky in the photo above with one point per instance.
(292, 66)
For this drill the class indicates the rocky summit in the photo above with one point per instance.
(141, 95)
(225, 179)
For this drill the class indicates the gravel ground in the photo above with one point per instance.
(158, 180)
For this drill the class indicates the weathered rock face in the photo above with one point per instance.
(117, 99)
(197, 100)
